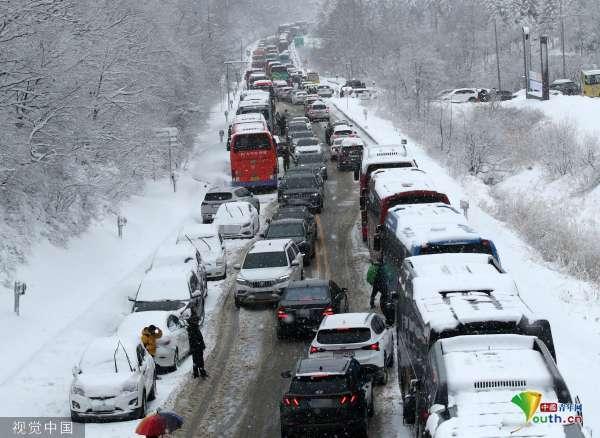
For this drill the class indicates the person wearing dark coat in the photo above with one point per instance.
(379, 288)
(197, 345)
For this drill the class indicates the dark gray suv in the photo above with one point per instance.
(301, 189)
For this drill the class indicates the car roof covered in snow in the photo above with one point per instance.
(483, 374)
(385, 154)
(196, 231)
(133, 323)
(341, 320)
(451, 295)
(232, 211)
(165, 283)
(172, 255)
(352, 141)
(388, 182)
(271, 245)
(339, 128)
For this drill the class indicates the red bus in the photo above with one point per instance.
(253, 156)
(374, 158)
(390, 187)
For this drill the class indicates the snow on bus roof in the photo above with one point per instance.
(449, 298)
(389, 182)
(254, 101)
(452, 259)
(385, 154)
(248, 117)
(420, 224)
(249, 128)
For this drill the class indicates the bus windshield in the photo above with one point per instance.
(250, 142)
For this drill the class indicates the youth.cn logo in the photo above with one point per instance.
(529, 402)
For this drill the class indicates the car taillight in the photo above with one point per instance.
(485, 242)
(314, 349)
(281, 313)
(291, 401)
(348, 399)
(372, 347)
(328, 311)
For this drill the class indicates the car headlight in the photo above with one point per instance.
(130, 386)
(247, 224)
(285, 196)
(78, 390)
(314, 194)
(283, 278)
(241, 280)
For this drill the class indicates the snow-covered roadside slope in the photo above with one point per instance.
(80, 292)
(568, 303)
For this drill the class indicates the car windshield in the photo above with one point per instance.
(309, 141)
(319, 384)
(350, 335)
(258, 260)
(299, 183)
(302, 134)
(311, 293)
(106, 359)
(318, 107)
(276, 230)
(343, 132)
(218, 196)
(297, 126)
(315, 157)
(148, 306)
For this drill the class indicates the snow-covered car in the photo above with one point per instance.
(185, 257)
(218, 195)
(324, 91)
(459, 95)
(174, 343)
(363, 336)
(170, 288)
(300, 119)
(207, 240)
(361, 93)
(342, 131)
(268, 267)
(298, 97)
(309, 149)
(237, 220)
(114, 380)
(566, 87)
(335, 147)
(318, 111)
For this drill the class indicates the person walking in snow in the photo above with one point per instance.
(197, 345)
(221, 135)
(150, 335)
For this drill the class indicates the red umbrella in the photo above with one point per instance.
(152, 425)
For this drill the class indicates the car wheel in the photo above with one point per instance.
(302, 275)
(471, 99)
(141, 411)
(371, 410)
(152, 394)
(390, 363)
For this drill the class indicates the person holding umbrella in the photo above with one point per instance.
(156, 425)
(197, 345)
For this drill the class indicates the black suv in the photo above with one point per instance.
(296, 229)
(327, 395)
(301, 189)
(303, 304)
(314, 162)
(297, 212)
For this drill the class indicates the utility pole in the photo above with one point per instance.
(545, 69)
(227, 80)
(562, 39)
(525, 65)
(241, 50)
(497, 56)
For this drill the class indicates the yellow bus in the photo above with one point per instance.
(590, 83)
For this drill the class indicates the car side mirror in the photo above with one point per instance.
(296, 262)
(262, 235)
(237, 267)
(286, 374)
(76, 371)
(131, 299)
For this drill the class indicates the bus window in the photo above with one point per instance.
(251, 142)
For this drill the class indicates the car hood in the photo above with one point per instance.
(264, 273)
(102, 384)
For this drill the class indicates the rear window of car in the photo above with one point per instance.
(218, 196)
(319, 384)
(314, 293)
(308, 141)
(319, 107)
(344, 132)
(344, 335)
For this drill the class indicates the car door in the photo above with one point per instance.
(381, 334)
(146, 367)
(291, 257)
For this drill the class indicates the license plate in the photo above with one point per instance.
(322, 403)
(103, 407)
(254, 178)
(344, 354)
(304, 313)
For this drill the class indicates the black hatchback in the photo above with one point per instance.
(327, 396)
(303, 304)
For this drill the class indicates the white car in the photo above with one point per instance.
(268, 267)
(237, 220)
(174, 343)
(335, 147)
(303, 150)
(209, 243)
(363, 336)
(459, 95)
(301, 119)
(114, 379)
(298, 97)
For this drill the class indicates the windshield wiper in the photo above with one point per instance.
(227, 208)
(206, 243)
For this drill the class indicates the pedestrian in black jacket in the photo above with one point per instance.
(197, 345)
